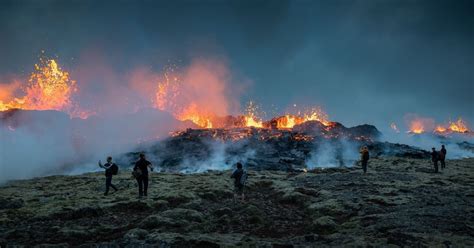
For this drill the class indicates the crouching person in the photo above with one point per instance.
(110, 170)
(140, 172)
(240, 178)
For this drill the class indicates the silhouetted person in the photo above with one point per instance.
(364, 158)
(109, 172)
(240, 178)
(442, 156)
(434, 159)
(142, 166)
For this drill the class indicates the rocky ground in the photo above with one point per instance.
(400, 202)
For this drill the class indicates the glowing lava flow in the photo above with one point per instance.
(289, 120)
(421, 125)
(417, 127)
(49, 88)
(459, 126)
(251, 119)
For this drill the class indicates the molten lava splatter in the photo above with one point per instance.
(49, 88)
(421, 125)
(251, 119)
(197, 93)
(417, 127)
(459, 126)
(290, 120)
(168, 94)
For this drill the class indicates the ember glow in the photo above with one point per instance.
(197, 93)
(459, 126)
(49, 88)
(289, 120)
(417, 127)
(251, 119)
(422, 125)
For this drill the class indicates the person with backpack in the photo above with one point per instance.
(364, 158)
(110, 170)
(140, 172)
(442, 156)
(240, 178)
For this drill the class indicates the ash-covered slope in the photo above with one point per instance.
(399, 202)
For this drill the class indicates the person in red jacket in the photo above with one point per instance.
(364, 158)
(442, 156)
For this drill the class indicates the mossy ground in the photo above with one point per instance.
(400, 202)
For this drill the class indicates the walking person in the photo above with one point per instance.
(434, 158)
(442, 157)
(141, 174)
(364, 158)
(240, 178)
(110, 170)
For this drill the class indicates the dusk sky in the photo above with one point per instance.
(362, 61)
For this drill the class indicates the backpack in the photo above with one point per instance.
(243, 178)
(114, 169)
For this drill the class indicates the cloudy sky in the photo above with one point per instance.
(362, 61)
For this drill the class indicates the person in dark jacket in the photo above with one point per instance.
(364, 158)
(142, 165)
(442, 156)
(238, 185)
(434, 158)
(108, 174)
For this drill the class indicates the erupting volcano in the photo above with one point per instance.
(49, 88)
(426, 125)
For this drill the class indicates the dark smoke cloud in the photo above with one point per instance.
(364, 61)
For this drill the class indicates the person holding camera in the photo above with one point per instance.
(110, 170)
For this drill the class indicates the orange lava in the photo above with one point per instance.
(49, 88)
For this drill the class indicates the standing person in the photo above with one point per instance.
(442, 156)
(435, 158)
(364, 158)
(110, 170)
(142, 166)
(240, 178)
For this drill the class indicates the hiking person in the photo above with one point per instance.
(435, 158)
(141, 174)
(110, 170)
(240, 178)
(442, 156)
(364, 158)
